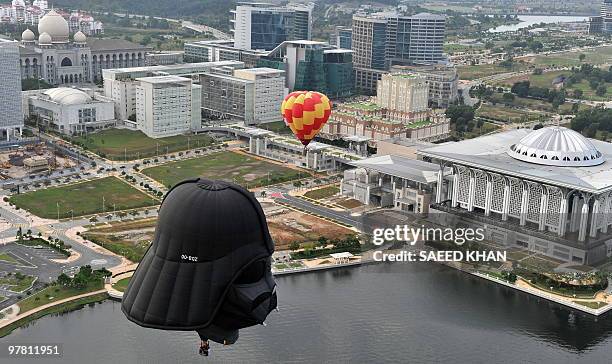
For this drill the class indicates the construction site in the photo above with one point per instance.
(22, 161)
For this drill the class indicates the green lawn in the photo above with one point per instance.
(116, 143)
(598, 56)
(228, 166)
(278, 127)
(122, 284)
(83, 198)
(55, 293)
(17, 285)
(322, 192)
(7, 258)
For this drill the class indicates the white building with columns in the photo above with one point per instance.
(548, 190)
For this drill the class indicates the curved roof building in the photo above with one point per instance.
(547, 190)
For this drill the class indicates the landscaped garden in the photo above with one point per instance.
(17, 282)
(90, 197)
(322, 193)
(229, 166)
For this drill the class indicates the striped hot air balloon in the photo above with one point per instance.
(305, 112)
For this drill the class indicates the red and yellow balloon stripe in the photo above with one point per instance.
(305, 112)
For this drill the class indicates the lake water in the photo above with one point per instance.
(529, 20)
(418, 312)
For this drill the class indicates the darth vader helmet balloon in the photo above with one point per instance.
(208, 268)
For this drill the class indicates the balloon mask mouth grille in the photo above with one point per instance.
(213, 185)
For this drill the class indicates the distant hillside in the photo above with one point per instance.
(211, 12)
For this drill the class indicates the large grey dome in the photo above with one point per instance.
(56, 26)
(556, 146)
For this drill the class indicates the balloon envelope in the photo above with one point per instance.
(305, 112)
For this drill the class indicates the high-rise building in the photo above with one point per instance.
(311, 65)
(369, 42)
(265, 26)
(405, 92)
(344, 37)
(380, 42)
(167, 106)
(10, 92)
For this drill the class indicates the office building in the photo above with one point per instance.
(221, 50)
(265, 26)
(311, 65)
(442, 81)
(251, 95)
(344, 37)
(69, 111)
(381, 42)
(167, 106)
(10, 92)
(120, 83)
(405, 92)
(164, 58)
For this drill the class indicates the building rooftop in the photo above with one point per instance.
(402, 167)
(97, 44)
(67, 96)
(491, 153)
(163, 79)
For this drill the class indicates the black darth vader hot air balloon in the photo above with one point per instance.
(208, 268)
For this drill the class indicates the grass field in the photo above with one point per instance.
(502, 113)
(322, 192)
(83, 198)
(115, 144)
(130, 239)
(599, 55)
(15, 284)
(228, 166)
(545, 80)
(122, 284)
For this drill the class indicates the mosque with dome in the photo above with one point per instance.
(60, 59)
(547, 190)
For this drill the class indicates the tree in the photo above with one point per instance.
(581, 57)
(521, 88)
(508, 97)
(63, 279)
(294, 246)
(578, 93)
(601, 90)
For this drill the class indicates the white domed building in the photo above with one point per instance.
(60, 58)
(547, 190)
(69, 110)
